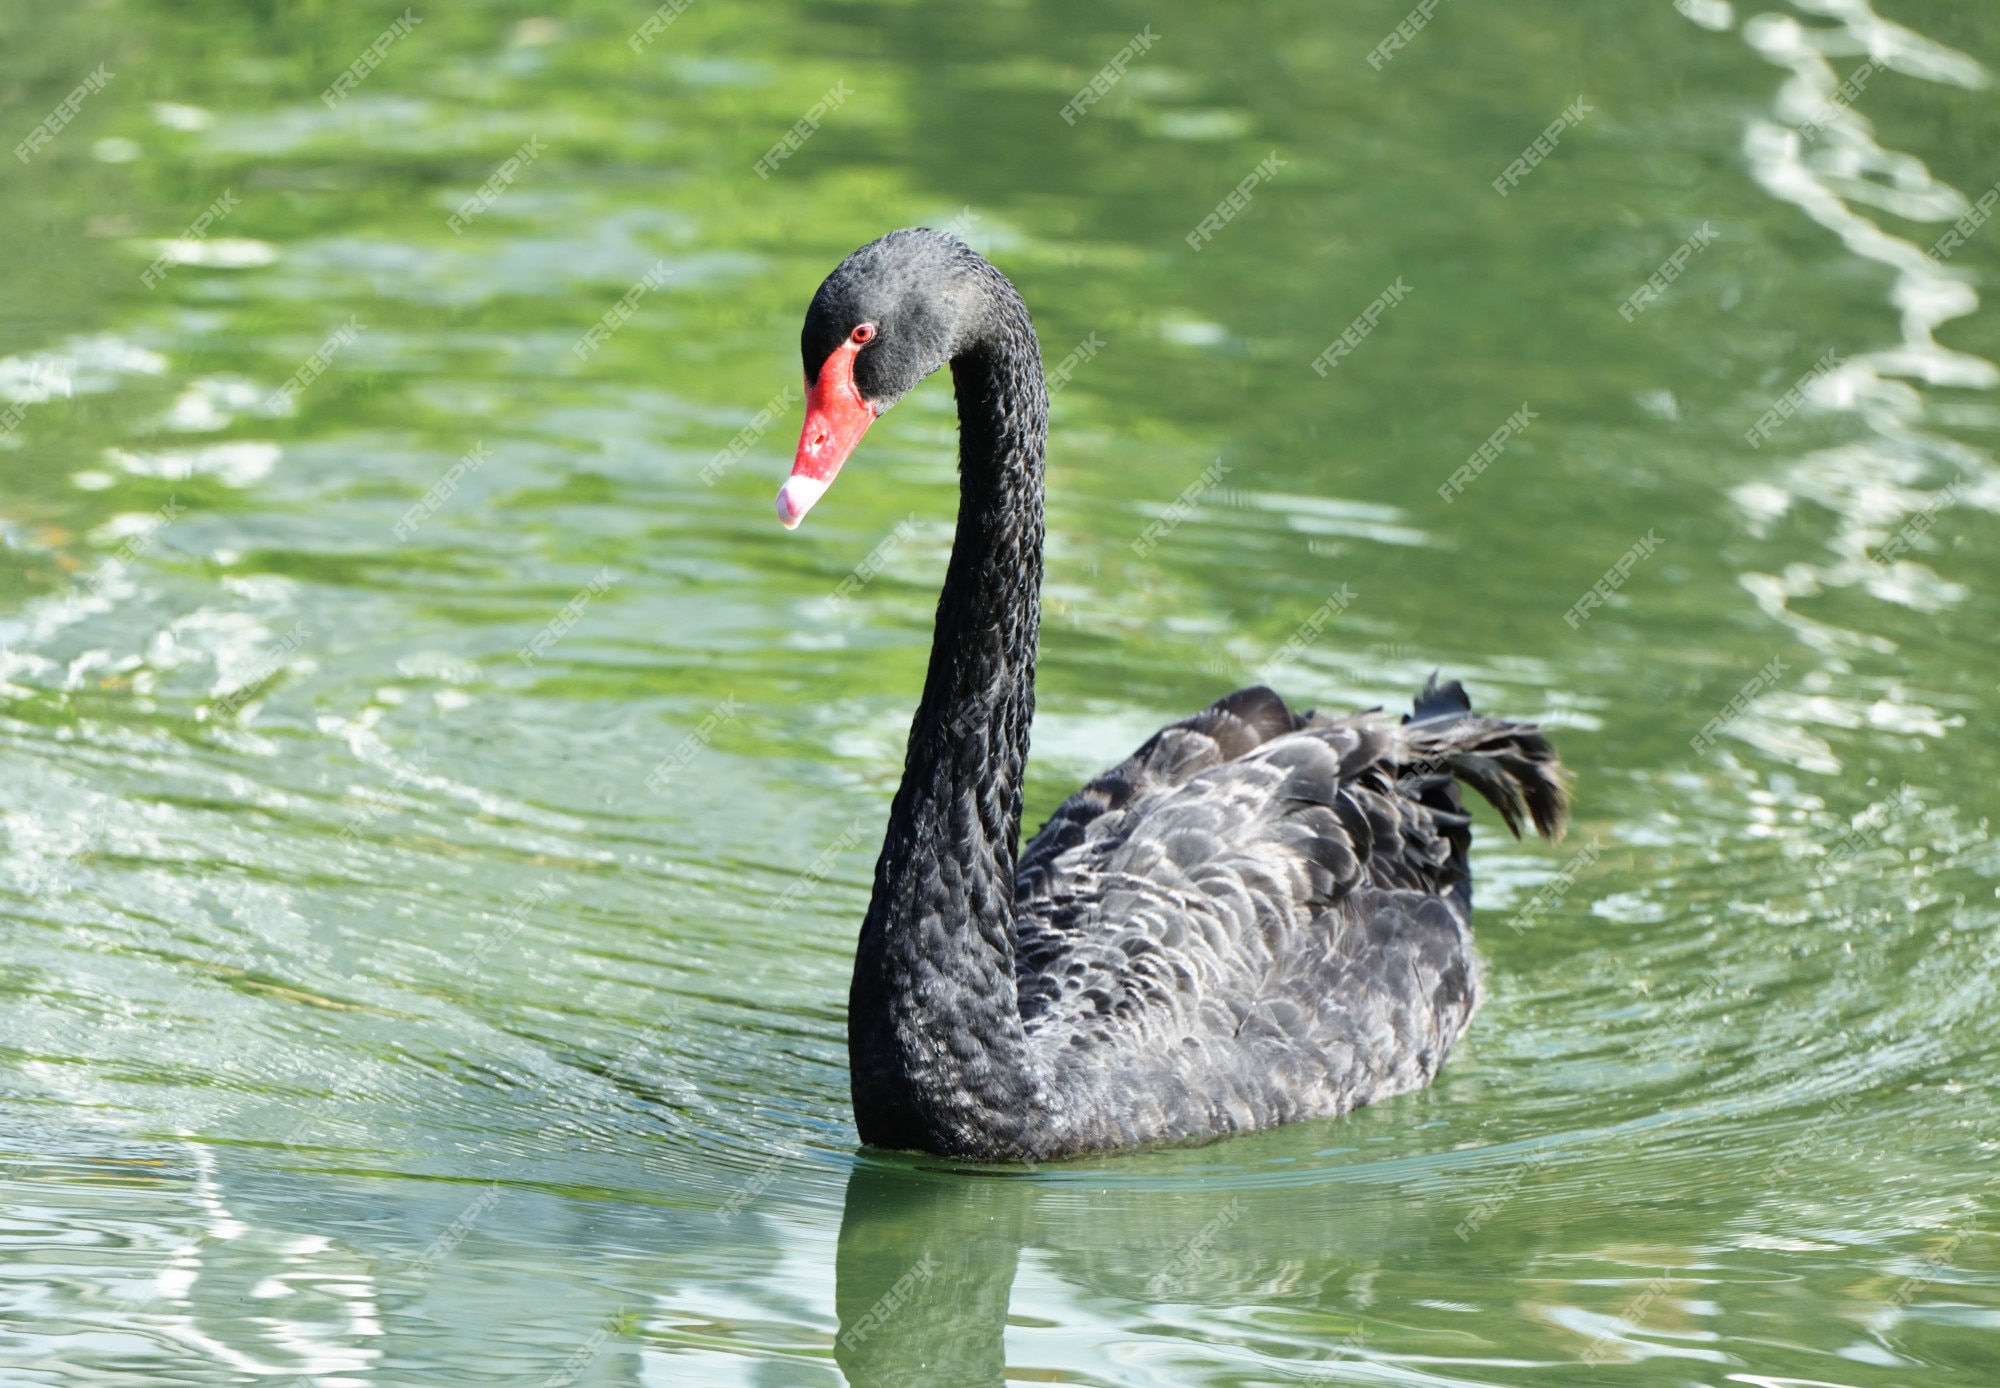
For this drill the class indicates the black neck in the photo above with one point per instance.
(934, 1028)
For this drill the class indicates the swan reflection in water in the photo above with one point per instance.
(928, 1256)
(924, 1272)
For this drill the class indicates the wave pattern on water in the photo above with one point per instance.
(1825, 161)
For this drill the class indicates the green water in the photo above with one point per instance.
(369, 1019)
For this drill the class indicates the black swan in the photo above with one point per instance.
(1260, 916)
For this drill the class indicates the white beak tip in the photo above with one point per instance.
(796, 498)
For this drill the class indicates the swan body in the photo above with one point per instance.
(1258, 917)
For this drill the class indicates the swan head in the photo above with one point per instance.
(892, 313)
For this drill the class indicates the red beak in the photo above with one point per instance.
(836, 418)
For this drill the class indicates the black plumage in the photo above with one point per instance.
(1258, 917)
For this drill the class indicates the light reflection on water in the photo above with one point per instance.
(369, 1018)
(1874, 486)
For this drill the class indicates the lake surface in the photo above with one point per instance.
(439, 800)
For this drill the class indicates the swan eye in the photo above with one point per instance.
(862, 333)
